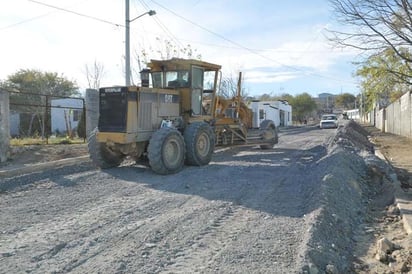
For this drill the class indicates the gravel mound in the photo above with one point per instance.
(347, 184)
(352, 137)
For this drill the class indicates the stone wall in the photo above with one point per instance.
(4, 125)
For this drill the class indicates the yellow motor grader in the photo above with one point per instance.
(177, 119)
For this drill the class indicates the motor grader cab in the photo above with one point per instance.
(173, 121)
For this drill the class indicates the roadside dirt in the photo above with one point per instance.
(383, 221)
(398, 151)
(23, 155)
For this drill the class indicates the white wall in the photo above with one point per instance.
(271, 110)
(14, 124)
(58, 122)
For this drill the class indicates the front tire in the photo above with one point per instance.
(100, 154)
(166, 151)
(269, 134)
(200, 143)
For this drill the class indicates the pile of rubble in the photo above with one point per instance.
(350, 176)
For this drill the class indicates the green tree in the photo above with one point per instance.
(345, 100)
(29, 88)
(384, 77)
(285, 96)
(302, 106)
(381, 29)
(39, 82)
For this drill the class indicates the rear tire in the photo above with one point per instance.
(200, 143)
(269, 134)
(166, 151)
(100, 155)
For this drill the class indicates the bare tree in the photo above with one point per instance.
(377, 27)
(166, 49)
(374, 25)
(229, 87)
(94, 74)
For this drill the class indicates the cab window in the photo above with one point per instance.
(177, 79)
(197, 90)
(157, 79)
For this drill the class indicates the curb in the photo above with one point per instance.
(40, 166)
(401, 199)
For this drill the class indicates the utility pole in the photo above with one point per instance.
(127, 38)
(127, 42)
(361, 107)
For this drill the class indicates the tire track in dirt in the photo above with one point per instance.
(101, 219)
(242, 212)
(202, 249)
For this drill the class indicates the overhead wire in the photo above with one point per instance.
(77, 13)
(253, 51)
(163, 26)
(219, 35)
(28, 20)
(171, 35)
(165, 30)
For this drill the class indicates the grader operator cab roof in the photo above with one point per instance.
(180, 64)
(189, 75)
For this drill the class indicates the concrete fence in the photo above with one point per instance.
(4, 125)
(92, 110)
(92, 116)
(396, 118)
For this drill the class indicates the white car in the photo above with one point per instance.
(329, 121)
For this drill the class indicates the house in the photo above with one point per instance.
(65, 114)
(278, 111)
(325, 102)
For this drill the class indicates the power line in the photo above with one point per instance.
(77, 13)
(26, 21)
(221, 36)
(243, 47)
(163, 26)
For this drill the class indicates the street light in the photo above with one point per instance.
(127, 55)
(150, 12)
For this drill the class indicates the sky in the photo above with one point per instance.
(279, 46)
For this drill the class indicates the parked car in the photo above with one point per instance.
(329, 121)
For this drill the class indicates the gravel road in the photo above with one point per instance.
(249, 210)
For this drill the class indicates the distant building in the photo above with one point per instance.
(325, 102)
(280, 112)
(352, 114)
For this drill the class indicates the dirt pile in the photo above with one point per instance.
(352, 137)
(347, 185)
